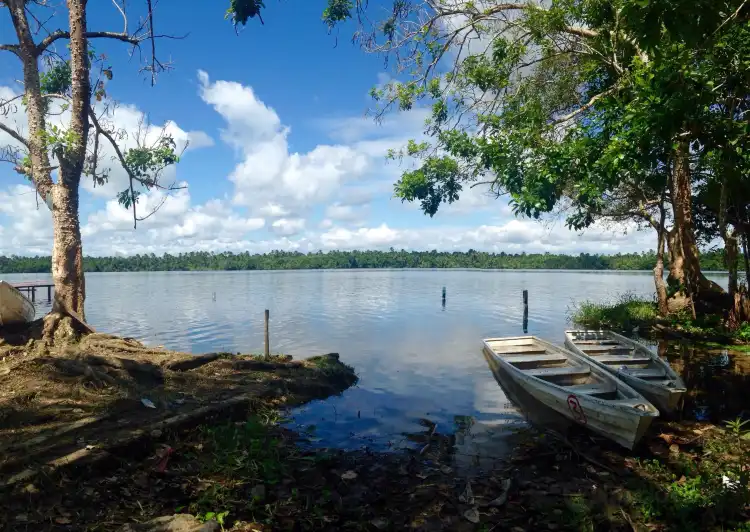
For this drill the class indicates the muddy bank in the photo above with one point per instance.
(66, 410)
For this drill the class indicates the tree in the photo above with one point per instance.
(62, 85)
(568, 99)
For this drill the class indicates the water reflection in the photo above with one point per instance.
(718, 380)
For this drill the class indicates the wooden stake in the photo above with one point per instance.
(268, 347)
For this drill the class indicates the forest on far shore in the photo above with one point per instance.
(285, 260)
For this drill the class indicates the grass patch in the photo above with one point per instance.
(739, 348)
(693, 492)
(624, 313)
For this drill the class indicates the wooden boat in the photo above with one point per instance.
(632, 363)
(572, 386)
(14, 306)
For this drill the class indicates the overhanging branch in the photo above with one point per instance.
(135, 40)
(14, 134)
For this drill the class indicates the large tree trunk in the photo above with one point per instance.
(40, 170)
(697, 287)
(731, 256)
(661, 287)
(747, 260)
(67, 250)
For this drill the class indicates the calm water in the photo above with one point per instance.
(415, 358)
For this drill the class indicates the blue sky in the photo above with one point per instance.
(280, 155)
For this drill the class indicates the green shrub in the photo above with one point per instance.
(625, 313)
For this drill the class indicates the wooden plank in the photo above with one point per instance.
(616, 359)
(645, 373)
(596, 342)
(529, 351)
(595, 388)
(588, 349)
(554, 357)
(551, 372)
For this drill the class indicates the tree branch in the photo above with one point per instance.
(135, 40)
(11, 48)
(14, 134)
(588, 105)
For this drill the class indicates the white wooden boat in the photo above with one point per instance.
(567, 383)
(633, 363)
(14, 306)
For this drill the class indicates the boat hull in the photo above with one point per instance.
(15, 308)
(624, 422)
(668, 399)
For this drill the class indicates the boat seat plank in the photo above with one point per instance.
(552, 357)
(596, 342)
(518, 350)
(551, 372)
(645, 373)
(603, 348)
(616, 359)
(595, 388)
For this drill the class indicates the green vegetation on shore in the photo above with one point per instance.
(283, 260)
(624, 313)
(627, 312)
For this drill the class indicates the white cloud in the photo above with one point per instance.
(269, 173)
(29, 231)
(288, 226)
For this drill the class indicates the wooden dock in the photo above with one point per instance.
(30, 288)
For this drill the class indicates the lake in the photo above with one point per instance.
(415, 358)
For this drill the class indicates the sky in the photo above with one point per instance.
(279, 150)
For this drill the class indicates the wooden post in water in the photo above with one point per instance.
(49, 292)
(33, 294)
(443, 297)
(525, 311)
(268, 347)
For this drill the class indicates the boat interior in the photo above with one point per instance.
(620, 357)
(552, 365)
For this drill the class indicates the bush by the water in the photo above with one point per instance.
(624, 313)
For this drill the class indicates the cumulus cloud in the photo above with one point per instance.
(269, 174)
(288, 226)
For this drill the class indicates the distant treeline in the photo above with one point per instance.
(282, 260)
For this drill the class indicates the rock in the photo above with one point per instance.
(30, 489)
(258, 492)
(503, 497)
(467, 496)
(446, 470)
(349, 475)
(674, 448)
(472, 515)
(379, 523)
(557, 511)
(172, 523)
(156, 433)
(517, 529)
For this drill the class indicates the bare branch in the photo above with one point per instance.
(135, 40)
(10, 48)
(586, 106)
(13, 133)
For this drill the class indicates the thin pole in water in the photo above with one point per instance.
(443, 297)
(268, 347)
(525, 311)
